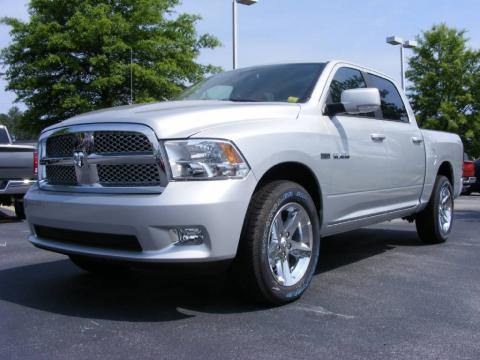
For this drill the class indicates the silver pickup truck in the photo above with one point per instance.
(252, 167)
(17, 171)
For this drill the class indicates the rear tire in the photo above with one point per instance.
(19, 209)
(99, 266)
(435, 222)
(280, 244)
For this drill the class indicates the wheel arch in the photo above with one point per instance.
(446, 170)
(299, 173)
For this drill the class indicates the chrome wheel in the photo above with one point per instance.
(445, 209)
(290, 244)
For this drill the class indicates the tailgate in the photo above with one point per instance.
(16, 162)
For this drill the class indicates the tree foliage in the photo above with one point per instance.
(73, 56)
(13, 120)
(445, 84)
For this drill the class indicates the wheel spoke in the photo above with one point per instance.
(279, 269)
(277, 228)
(292, 222)
(287, 275)
(445, 198)
(299, 249)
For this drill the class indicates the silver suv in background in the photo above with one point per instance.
(252, 166)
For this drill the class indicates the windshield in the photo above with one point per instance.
(277, 83)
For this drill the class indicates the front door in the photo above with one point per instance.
(359, 165)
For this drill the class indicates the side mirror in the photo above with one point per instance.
(356, 101)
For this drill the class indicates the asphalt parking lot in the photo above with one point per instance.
(378, 294)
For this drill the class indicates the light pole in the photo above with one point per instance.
(131, 76)
(408, 44)
(234, 23)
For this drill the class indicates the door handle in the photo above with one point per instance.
(417, 140)
(377, 137)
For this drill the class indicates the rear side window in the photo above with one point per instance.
(345, 79)
(393, 107)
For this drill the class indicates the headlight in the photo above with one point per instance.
(200, 159)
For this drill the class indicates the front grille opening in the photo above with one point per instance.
(105, 142)
(61, 175)
(97, 240)
(129, 175)
(119, 142)
(60, 146)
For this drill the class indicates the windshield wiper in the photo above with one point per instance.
(243, 100)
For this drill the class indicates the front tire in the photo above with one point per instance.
(280, 244)
(435, 222)
(19, 209)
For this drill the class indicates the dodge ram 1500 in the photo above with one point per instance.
(253, 166)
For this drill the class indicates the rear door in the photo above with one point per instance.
(405, 146)
(358, 159)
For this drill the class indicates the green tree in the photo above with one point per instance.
(13, 120)
(73, 56)
(445, 90)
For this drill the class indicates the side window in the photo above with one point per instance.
(345, 79)
(393, 107)
(3, 136)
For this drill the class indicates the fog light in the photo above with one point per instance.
(188, 236)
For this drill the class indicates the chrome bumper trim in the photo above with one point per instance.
(15, 187)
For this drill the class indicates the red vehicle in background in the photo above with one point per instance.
(469, 179)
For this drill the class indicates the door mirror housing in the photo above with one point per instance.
(356, 101)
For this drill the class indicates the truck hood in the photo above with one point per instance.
(179, 119)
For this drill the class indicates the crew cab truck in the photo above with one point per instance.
(253, 166)
(17, 171)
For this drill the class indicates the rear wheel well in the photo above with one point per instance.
(296, 172)
(446, 170)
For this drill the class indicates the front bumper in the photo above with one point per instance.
(16, 187)
(218, 207)
(469, 180)
(468, 183)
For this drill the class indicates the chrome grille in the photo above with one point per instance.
(129, 175)
(110, 158)
(105, 142)
(61, 175)
(108, 142)
(61, 146)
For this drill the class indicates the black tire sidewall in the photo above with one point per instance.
(285, 193)
(19, 209)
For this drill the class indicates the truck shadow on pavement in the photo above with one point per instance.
(59, 287)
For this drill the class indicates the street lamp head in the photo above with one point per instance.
(394, 40)
(410, 44)
(247, 2)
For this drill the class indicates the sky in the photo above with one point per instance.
(279, 31)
